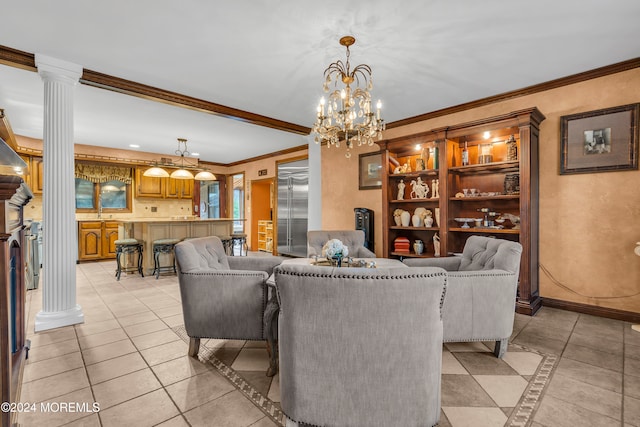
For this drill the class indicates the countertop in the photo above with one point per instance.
(138, 220)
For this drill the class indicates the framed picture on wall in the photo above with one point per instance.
(370, 174)
(600, 141)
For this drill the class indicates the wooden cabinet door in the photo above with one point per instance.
(179, 188)
(90, 235)
(109, 237)
(148, 186)
(36, 172)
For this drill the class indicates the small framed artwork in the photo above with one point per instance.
(600, 141)
(370, 175)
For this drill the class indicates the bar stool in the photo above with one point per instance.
(226, 244)
(128, 246)
(241, 239)
(163, 246)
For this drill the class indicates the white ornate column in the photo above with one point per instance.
(59, 306)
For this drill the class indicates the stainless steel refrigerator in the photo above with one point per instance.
(293, 208)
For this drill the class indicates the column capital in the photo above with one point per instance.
(51, 68)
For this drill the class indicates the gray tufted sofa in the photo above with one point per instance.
(360, 347)
(481, 291)
(222, 297)
(354, 239)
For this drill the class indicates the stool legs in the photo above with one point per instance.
(128, 249)
(162, 249)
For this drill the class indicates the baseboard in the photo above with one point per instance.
(610, 313)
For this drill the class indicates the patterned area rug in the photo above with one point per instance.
(477, 388)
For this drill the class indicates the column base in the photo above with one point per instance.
(58, 319)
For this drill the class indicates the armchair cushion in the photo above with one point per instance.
(203, 253)
(353, 239)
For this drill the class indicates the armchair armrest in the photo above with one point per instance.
(236, 316)
(365, 253)
(266, 264)
(451, 263)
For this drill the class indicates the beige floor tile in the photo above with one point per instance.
(169, 311)
(178, 421)
(96, 327)
(523, 362)
(102, 338)
(466, 346)
(555, 412)
(505, 390)
(450, 364)
(599, 377)
(50, 413)
(55, 365)
(137, 318)
(41, 339)
(39, 353)
(173, 321)
(585, 395)
(165, 352)
(154, 339)
(108, 351)
(145, 328)
(121, 389)
(264, 422)
(198, 390)
(146, 410)
(116, 367)
(594, 357)
(90, 421)
(232, 409)
(128, 311)
(274, 390)
(251, 359)
(632, 386)
(632, 366)
(178, 369)
(474, 417)
(632, 411)
(54, 386)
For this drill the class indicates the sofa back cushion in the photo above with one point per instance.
(485, 253)
(204, 253)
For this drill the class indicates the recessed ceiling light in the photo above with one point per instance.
(486, 135)
(134, 146)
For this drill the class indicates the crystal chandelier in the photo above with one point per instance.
(348, 115)
(184, 172)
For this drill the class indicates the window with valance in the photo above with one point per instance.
(103, 188)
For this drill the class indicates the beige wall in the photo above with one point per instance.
(588, 222)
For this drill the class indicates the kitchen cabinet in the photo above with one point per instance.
(96, 240)
(162, 188)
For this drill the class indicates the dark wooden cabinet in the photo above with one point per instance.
(502, 151)
(14, 194)
(96, 240)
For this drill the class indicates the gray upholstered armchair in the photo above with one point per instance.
(360, 347)
(354, 239)
(222, 297)
(481, 291)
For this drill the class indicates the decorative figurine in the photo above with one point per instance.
(419, 189)
(435, 191)
(401, 189)
(436, 245)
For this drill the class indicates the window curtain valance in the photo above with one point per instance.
(103, 173)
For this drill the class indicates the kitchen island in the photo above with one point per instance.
(150, 229)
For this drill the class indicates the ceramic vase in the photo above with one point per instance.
(405, 218)
(416, 220)
(428, 221)
(397, 219)
(418, 247)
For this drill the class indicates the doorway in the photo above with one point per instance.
(261, 210)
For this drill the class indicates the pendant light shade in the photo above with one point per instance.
(156, 172)
(205, 176)
(181, 174)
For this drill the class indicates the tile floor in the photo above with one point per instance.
(127, 358)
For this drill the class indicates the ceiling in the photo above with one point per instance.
(267, 57)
